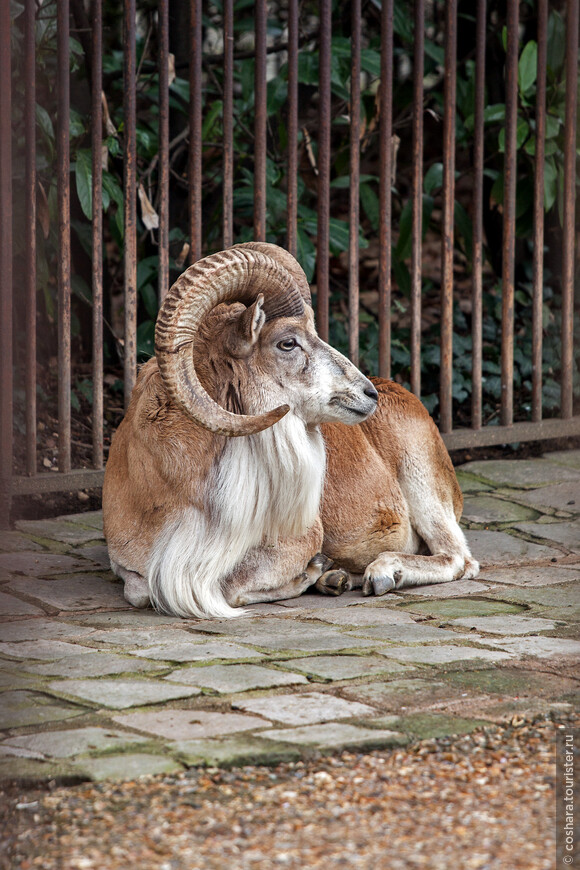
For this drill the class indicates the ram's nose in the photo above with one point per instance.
(372, 393)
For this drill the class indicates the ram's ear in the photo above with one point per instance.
(248, 328)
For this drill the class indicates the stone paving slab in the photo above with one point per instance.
(189, 724)
(92, 689)
(43, 649)
(455, 589)
(414, 633)
(338, 736)
(87, 518)
(77, 592)
(10, 678)
(521, 473)
(402, 693)
(497, 547)
(546, 575)
(566, 533)
(13, 542)
(101, 664)
(506, 624)
(236, 750)
(509, 681)
(60, 530)
(10, 605)
(235, 678)
(22, 708)
(541, 647)
(126, 767)
(363, 615)
(564, 497)
(344, 667)
(135, 637)
(485, 509)
(73, 741)
(440, 655)
(423, 725)
(34, 564)
(42, 629)
(120, 694)
(570, 458)
(197, 652)
(304, 709)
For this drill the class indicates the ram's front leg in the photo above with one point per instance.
(282, 570)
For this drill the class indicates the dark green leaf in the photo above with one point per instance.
(306, 252)
(44, 122)
(113, 189)
(523, 129)
(464, 227)
(277, 95)
(556, 42)
(435, 52)
(527, 67)
(433, 178)
(214, 113)
(84, 180)
(370, 62)
(308, 68)
(403, 23)
(343, 181)
(494, 113)
(76, 124)
(148, 294)
(370, 203)
(550, 183)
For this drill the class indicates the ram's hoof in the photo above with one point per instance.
(137, 593)
(334, 582)
(378, 585)
(317, 566)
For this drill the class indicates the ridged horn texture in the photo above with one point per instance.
(238, 274)
(287, 260)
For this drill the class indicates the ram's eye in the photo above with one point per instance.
(287, 344)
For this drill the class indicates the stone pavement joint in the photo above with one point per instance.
(92, 689)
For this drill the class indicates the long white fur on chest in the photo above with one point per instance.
(265, 487)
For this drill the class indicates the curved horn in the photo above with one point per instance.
(287, 260)
(234, 275)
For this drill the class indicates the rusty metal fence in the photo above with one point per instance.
(19, 182)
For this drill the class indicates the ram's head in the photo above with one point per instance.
(272, 334)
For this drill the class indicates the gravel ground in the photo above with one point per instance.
(485, 800)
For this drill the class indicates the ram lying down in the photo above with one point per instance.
(255, 461)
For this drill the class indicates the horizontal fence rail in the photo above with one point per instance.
(356, 141)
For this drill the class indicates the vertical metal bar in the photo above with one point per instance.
(130, 191)
(538, 256)
(97, 231)
(30, 230)
(509, 216)
(195, 135)
(354, 207)
(64, 253)
(324, 124)
(260, 121)
(569, 206)
(6, 401)
(477, 249)
(385, 185)
(417, 195)
(163, 178)
(228, 125)
(447, 241)
(292, 193)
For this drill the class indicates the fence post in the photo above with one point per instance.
(6, 408)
